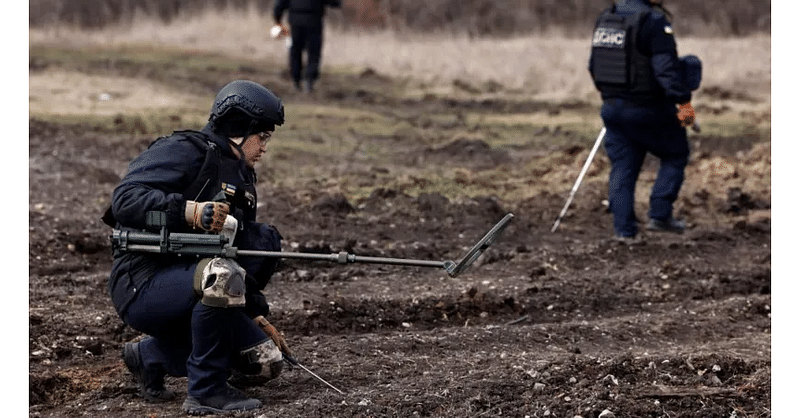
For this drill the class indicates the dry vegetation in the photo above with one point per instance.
(735, 98)
(546, 67)
(474, 17)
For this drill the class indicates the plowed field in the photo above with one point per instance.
(545, 324)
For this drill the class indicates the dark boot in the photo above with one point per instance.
(629, 240)
(673, 225)
(151, 382)
(227, 399)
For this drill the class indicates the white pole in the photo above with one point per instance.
(580, 178)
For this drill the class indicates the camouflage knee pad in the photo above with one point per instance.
(219, 282)
(265, 358)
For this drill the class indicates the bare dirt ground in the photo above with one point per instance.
(545, 324)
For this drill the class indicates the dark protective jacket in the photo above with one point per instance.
(634, 55)
(303, 12)
(162, 178)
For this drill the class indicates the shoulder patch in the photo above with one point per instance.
(668, 30)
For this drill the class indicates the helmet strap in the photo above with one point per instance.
(239, 146)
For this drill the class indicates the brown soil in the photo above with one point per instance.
(558, 324)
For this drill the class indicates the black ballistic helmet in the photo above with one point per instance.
(245, 107)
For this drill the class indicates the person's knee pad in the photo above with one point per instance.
(219, 282)
(265, 360)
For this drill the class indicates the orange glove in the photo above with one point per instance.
(279, 31)
(685, 114)
(273, 333)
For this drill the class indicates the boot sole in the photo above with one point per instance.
(193, 407)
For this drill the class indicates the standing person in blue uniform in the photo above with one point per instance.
(193, 329)
(646, 108)
(306, 28)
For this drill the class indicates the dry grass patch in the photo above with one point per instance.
(63, 93)
(541, 67)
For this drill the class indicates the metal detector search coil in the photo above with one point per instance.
(454, 270)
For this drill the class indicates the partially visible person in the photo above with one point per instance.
(306, 29)
(201, 316)
(646, 108)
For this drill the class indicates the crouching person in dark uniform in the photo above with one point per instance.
(646, 108)
(201, 316)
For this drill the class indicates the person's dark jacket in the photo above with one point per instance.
(303, 12)
(656, 40)
(156, 181)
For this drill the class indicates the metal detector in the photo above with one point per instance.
(453, 269)
(218, 246)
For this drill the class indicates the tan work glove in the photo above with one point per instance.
(208, 216)
(273, 333)
(685, 114)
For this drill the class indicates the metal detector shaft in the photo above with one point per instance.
(580, 178)
(453, 269)
(343, 258)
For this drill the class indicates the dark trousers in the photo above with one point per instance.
(185, 337)
(632, 132)
(306, 37)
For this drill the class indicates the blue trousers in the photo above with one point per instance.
(631, 132)
(187, 338)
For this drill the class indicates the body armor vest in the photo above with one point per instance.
(219, 173)
(618, 68)
(313, 7)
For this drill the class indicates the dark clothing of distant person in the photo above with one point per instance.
(635, 66)
(306, 24)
